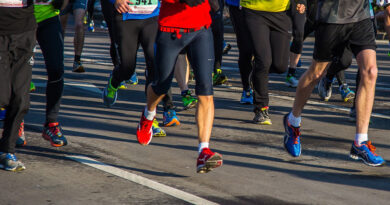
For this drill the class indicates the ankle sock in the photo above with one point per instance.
(149, 114)
(294, 121)
(202, 145)
(359, 138)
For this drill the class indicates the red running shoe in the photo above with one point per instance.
(144, 130)
(52, 132)
(208, 160)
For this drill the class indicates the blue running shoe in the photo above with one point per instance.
(110, 94)
(157, 130)
(2, 113)
(133, 79)
(9, 162)
(292, 142)
(347, 95)
(247, 97)
(299, 64)
(170, 119)
(366, 152)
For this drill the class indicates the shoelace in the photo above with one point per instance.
(56, 130)
(371, 147)
(296, 134)
(21, 129)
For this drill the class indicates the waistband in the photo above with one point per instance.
(181, 30)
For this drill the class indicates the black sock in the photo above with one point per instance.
(77, 58)
(291, 71)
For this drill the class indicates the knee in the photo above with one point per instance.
(279, 67)
(206, 99)
(370, 74)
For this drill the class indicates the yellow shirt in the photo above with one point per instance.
(266, 5)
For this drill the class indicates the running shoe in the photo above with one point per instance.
(247, 97)
(226, 48)
(292, 81)
(110, 94)
(104, 25)
(219, 78)
(32, 87)
(78, 67)
(187, 99)
(122, 85)
(21, 141)
(262, 117)
(145, 130)
(207, 161)
(157, 130)
(292, 142)
(91, 26)
(388, 53)
(170, 119)
(133, 79)
(347, 95)
(3, 111)
(31, 61)
(366, 152)
(9, 162)
(52, 132)
(325, 89)
(299, 64)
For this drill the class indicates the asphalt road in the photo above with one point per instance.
(104, 164)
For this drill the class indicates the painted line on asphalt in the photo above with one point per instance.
(84, 86)
(140, 180)
(345, 109)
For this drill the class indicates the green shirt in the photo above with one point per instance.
(43, 12)
(266, 5)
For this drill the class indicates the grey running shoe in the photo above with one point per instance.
(324, 89)
(262, 117)
(9, 162)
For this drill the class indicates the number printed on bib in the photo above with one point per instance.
(42, 2)
(13, 3)
(142, 6)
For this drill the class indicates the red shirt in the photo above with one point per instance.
(179, 15)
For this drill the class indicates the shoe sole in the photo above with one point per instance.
(349, 98)
(213, 162)
(16, 169)
(264, 123)
(190, 106)
(172, 123)
(22, 145)
(221, 82)
(160, 135)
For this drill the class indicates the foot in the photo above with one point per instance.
(21, 141)
(91, 26)
(262, 117)
(110, 94)
(292, 81)
(32, 87)
(226, 49)
(78, 67)
(187, 99)
(9, 162)
(219, 78)
(292, 142)
(157, 130)
(247, 97)
(366, 152)
(347, 95)
(144, 130)
(325, 89)
(52, 132)
(208, 160)
(170, 119)
(2, 113)
(133, 79)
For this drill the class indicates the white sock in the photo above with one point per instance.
(202, 145)
(359, 138)
(294, 121)
(149, 114)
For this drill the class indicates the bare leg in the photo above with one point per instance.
(366, 60)
(64, 21)
(387, 22)
(182, 72)
(306, 85)
(205, 117)
(79, 31)
(294, 58)
(152, 99)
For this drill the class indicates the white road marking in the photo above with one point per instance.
(140, 180)
(85, 86)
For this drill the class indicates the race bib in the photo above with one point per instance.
(42, 2)
(142, 6)
(13, 3)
